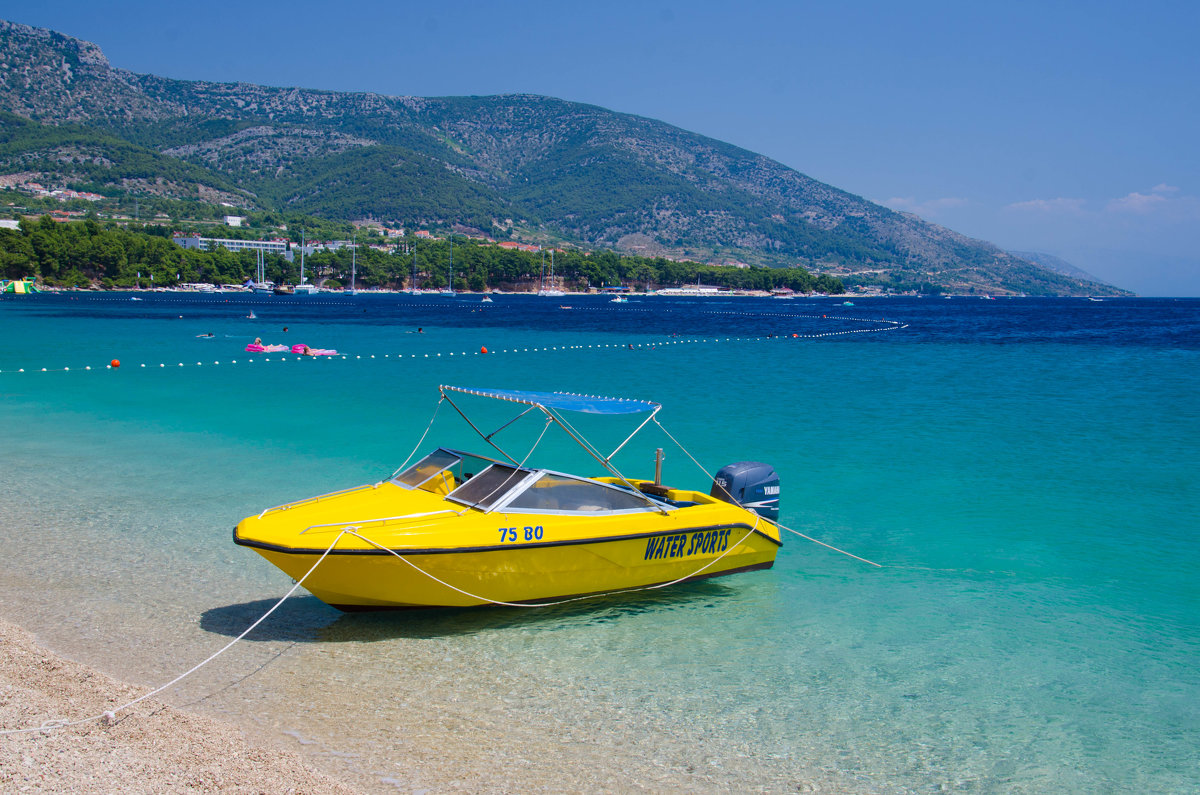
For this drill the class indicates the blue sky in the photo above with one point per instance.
(1071, 128)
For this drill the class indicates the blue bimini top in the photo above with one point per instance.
(563, 401)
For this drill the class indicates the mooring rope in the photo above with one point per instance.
(110, 715)
(829, 546)
(469, 595)
(420, 441)
(777, 524)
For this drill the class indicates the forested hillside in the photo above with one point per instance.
(525, 167)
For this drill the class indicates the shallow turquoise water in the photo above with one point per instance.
(1027, 474)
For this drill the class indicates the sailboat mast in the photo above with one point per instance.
(353, 258)
(450, 285)
(302, 257)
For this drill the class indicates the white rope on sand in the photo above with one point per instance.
(110, 716)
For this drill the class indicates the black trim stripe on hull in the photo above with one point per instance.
(494, 548)
(531, 603)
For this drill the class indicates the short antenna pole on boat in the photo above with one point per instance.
(658, 459)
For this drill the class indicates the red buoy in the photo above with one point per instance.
(483, 349)
(116, 363)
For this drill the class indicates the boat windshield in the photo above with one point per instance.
(490, 486)
(442, 470)
(427, 467)
(552, 492)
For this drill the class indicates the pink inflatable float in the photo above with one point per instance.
(304, 350)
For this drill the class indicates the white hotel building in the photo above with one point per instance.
(276, 246)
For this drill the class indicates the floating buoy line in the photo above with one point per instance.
(884, 325)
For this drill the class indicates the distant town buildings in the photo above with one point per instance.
(62, 195)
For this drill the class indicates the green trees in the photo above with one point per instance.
(17, 257)
(80, 253)
(84, 252)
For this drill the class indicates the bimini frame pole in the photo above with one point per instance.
(571, 432)
(604, 462)
(636, 431)
(486, 437)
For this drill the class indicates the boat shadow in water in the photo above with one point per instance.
(306, 619)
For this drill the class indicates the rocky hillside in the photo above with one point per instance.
(523, 166)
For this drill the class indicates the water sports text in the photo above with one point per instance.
(678, 546)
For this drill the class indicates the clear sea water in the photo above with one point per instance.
(1027, 472)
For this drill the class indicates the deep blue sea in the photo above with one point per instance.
(1027, 472)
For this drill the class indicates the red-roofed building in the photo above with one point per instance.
(513, 245)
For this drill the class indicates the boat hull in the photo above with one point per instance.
(358, 579)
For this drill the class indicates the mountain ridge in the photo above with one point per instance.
(518, 165)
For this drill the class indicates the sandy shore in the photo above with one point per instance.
(150, 748)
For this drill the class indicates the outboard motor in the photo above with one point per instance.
(750, 484)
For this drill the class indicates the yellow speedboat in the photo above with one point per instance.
(460, 529)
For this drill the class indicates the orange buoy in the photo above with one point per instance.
(483, 349)
(115, 363)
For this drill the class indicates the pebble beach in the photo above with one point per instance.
(150, 748)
